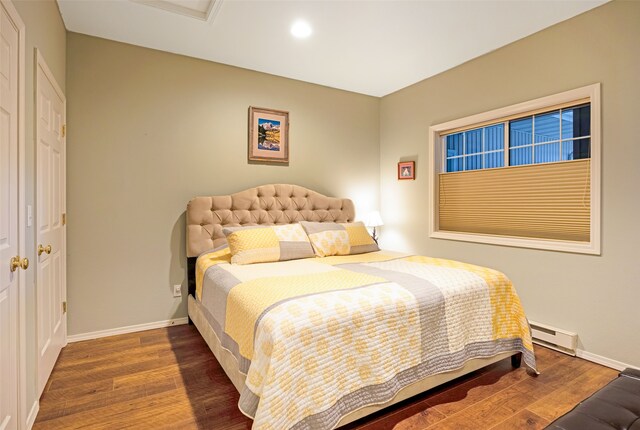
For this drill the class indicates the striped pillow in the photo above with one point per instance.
(330, 238)
(263, 244)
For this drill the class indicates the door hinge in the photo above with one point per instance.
(64, 130)
(64, 307)
(64, 219)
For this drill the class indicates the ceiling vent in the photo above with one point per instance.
(204, 10)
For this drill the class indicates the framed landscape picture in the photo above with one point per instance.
(406, 170)
(268, 135)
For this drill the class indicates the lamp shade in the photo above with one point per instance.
(373, 219)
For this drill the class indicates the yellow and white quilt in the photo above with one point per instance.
(321, 337)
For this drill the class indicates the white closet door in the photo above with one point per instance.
(9, 274)
(50, 201)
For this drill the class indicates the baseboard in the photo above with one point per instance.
(605, 361)
(31, 418)
(127, 329)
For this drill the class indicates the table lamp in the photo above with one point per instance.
(373, 220)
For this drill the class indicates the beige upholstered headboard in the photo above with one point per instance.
(264, 205)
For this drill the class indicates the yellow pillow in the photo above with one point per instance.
(263, 244)
(330, 238)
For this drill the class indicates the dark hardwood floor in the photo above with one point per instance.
(168, 379)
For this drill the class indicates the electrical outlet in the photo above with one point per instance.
(177, 291)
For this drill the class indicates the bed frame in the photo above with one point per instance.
(282, 204)
(264, 205)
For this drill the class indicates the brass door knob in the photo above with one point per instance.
(17, 262)
(46, 249)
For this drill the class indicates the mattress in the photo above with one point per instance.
(314, 340)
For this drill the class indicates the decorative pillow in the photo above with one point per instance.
(330, 238)
(263, 244)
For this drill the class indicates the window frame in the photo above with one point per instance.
(437, 156)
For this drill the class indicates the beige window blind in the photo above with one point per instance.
(546, 201)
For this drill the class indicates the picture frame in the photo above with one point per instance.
(406, 170)
(268, 136)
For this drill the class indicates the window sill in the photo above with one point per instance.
(521, 242)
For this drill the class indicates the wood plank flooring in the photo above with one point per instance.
(169, 379)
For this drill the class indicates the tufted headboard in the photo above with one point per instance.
(267, 204)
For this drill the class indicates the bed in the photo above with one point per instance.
(316, 343)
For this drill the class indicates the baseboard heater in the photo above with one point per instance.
(554, 338)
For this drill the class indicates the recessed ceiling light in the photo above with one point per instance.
(301, 29)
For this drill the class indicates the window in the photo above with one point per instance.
(478, 148)
(558, 135)
(527, 175)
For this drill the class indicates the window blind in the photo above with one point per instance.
(546, 201)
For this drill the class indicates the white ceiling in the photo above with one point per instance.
(372, 47)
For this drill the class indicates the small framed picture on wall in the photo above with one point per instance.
(406, 170)
(268, 135)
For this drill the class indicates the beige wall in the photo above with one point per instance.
(596, 296)
(45, 31)
(148, 131)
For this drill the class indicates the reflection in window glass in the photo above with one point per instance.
(521, 132)
(473, 162)
(547, 153)
(520, 156)
(576, 149)
(494, 159)
(547, 127)
(473, 143)
(567, 150)
(454, 144)
(454, 164)
(576, 122)
(494, 137)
